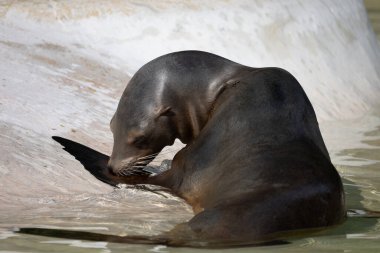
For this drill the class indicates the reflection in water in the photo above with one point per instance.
(366, 176)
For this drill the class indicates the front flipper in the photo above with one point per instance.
(96, 163)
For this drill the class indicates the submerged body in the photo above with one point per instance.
(255, 164)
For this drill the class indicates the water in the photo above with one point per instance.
(355, 150)
(373, 8)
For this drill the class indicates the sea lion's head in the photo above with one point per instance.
(167, 98)
(142, 124)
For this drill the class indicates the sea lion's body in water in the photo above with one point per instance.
(255, 164)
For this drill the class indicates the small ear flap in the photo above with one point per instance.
(165, 111)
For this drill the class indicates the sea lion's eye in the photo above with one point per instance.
(140, 142)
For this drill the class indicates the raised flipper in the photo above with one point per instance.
(96, 163)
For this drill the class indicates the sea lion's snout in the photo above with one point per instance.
(115, 166)
(127, 167)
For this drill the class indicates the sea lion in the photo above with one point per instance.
(255, 166)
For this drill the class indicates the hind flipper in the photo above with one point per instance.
(180, 236)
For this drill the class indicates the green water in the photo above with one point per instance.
(355, 150)
(373, 9)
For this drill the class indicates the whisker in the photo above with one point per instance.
(139, 172)
(140, 163)
(159, 153)
(144, 159)
(161, 159)
(151, 154)
(155, 156)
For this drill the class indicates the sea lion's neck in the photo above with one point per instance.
(199, 100)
